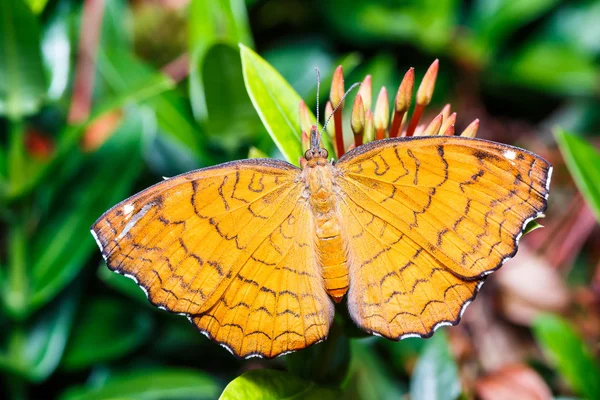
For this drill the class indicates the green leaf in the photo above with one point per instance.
(436, 374)
(531, 226)
(105, 331)
(232, 120)
(277, 105)
(211, 22)
(158, 384)
(583, 161)
(63, 243)
(265, 384)
(23, 83)
(36, 348)
(569, 354)
(370, 377)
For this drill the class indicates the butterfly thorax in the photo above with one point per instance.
(320, 186)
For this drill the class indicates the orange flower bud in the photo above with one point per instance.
(366, 92)
(434, 127)
(405, 92)
(471, 130)
(358, 116)
(427, 85)
(382, 110)
(369, 127)
(305, 122)
(448, 121)
(337, 87)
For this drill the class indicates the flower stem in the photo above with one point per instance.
(414, 122)
(339, 135)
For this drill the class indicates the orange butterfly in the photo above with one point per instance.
(254, 251)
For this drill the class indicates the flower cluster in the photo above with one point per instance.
(370, 125)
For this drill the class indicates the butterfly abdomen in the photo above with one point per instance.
(330, 245)
(335, 267)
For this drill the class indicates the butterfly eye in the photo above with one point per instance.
(308, 155)
(323, 153)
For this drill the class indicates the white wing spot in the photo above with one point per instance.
(510, 154)
(128, 209)
(136, 217)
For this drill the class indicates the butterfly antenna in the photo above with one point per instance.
(318, 89)
(338, 106)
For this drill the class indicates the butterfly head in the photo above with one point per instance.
(315, 155)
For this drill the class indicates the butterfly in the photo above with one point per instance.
(256, 252)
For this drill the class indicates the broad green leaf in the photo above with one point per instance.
(105, 331)
(22, 82)
(553, 67)
(265, 384)
(277, 105)
(211, 22)
(583, 161)
(36, 348)
(63, 243)
(370, 378)
(435, 375)
(232, 121)
(567, 351)
(157, 384)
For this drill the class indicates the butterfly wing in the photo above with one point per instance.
(427, 219)
(229, 247)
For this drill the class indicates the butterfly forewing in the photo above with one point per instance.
(427, 218)
(222, 246)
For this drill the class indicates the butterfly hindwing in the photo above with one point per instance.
(397, 289)
(278, 302)
(442, 212)
(199, 242)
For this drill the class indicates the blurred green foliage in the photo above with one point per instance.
(173, 89)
